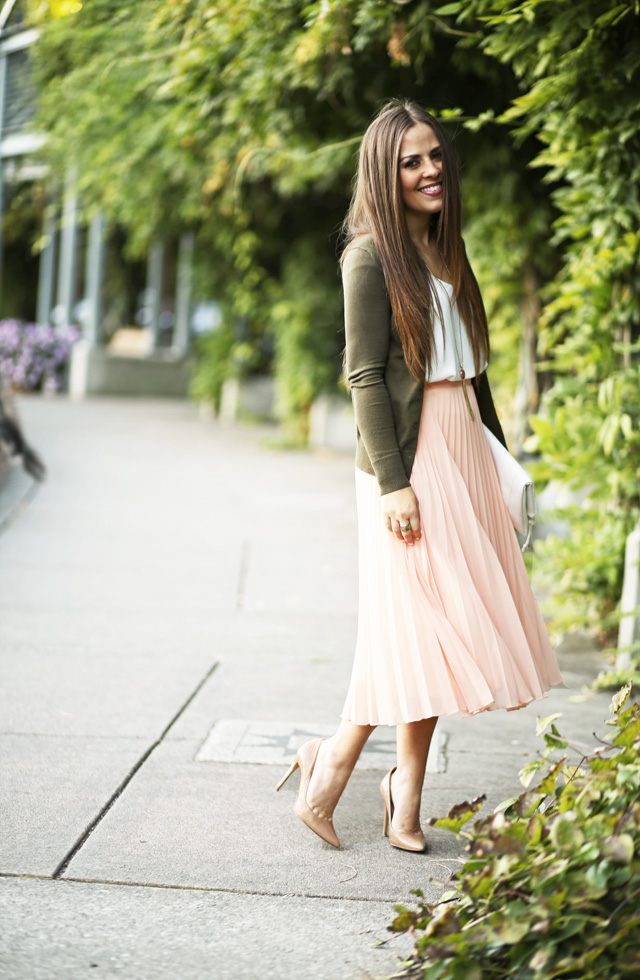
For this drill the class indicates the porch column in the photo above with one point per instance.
(93, 278)
(68, 252)
(155, 265)
(183, 294)
(46, 266)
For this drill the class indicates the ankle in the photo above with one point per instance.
(333, 756)
(407, 784)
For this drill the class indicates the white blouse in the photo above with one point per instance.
(445, 367)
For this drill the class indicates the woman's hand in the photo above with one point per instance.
(401, 509)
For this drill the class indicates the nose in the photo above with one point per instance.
(430, 169)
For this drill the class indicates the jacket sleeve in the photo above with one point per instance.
(488, 412)
(367, 317)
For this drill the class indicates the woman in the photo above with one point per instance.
(447, 620)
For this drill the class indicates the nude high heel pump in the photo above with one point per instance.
(305, 761)
(397, 838)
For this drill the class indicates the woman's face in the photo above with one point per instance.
(421, 171)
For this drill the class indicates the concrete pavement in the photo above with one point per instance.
(177, 614)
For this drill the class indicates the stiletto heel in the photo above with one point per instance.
(292, 768)
(397, 838)
(305, 761)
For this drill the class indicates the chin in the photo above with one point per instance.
(428, 207)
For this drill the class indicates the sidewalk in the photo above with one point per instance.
(177, 614)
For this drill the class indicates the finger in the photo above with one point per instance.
(410, 530)
(405, 530)
(414, 520)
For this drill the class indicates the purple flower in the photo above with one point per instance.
(34, 355)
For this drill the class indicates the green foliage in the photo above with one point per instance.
(610, 680)
(579, 74)
(306, 322)
(213, 365)
(506, 235)
(583, 571)
(551, 886)
(241, 120)
(106, 66)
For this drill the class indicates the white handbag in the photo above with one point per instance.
(517, 488)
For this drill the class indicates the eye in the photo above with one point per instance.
(410, 163)
(437, 154)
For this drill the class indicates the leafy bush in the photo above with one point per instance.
(213, 365)
(613, 679)
(590, 442)
(35, 356)
(582, 574)
(575, 65)
(551, 887)
(306, 322)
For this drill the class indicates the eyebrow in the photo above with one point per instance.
(409, 156)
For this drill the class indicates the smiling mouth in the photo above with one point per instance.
(432, 191)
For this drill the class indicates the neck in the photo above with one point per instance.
(419, 227)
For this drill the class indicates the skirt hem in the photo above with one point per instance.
(451, 712)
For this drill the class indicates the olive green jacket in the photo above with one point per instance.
(387, 399)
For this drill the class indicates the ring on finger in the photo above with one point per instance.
(405, 527)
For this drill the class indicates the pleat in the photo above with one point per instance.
(451, 624)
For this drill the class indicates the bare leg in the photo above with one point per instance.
(335, 763)
(413, 741)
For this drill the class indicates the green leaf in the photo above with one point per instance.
(506, 804)
(509, 931)
(448, 8)
(626, 425)
(628, 775)
(544, 723)
(619, 700)
(458, 815)
(619, 849)
(548, 782)
(540, 959)
(528, 802)
(564, 833)
(554, 740)
(614, 15)
(529, 770)
(597, 877)
(445, 923)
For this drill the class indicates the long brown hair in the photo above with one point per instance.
(377, 209)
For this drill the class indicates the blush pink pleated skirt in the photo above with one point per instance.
(449, 625)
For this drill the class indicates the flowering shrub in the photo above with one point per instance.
(33, 356)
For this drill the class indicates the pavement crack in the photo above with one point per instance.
(213, 889)
(69, 856)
